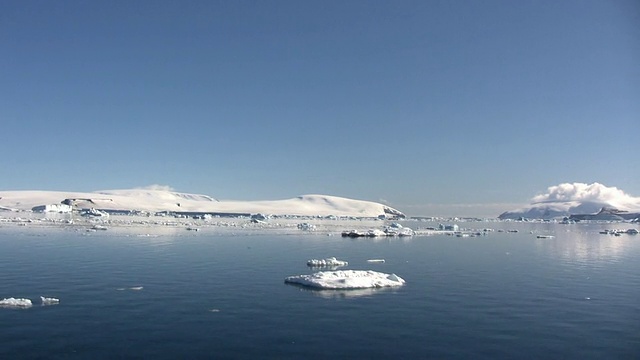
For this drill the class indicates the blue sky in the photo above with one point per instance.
(430, 106)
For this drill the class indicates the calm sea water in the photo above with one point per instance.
(205, 295)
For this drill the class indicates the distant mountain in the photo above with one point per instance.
(152, 200)
(581, 202)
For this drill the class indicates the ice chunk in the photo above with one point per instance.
(398, 231)
(328, 262)
(49, 301)
(94, 213)
(15, 303)
(346, 279)
(375, 233)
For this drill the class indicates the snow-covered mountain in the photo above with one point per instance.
(593, 201)
(154, 200)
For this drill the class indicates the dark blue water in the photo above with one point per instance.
(505, 295)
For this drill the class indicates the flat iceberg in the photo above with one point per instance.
(328, 262)
(15, 303)
(346, 279)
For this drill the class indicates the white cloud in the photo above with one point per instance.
(581, 192)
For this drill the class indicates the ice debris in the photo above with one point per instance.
(15, 303)
(306, 227)
(346, 279)
(328, 262)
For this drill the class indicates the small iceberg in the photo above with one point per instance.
(328, 262)
(16, 303)
(49, 301)
(346, 279)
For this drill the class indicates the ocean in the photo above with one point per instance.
(208, 294)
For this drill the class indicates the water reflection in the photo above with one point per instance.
(586, 245)
(342, 294)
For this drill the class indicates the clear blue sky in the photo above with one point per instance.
(423, 104)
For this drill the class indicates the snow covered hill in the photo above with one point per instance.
(152, 200)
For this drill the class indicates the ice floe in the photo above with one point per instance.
(392, 230)
(328, 262)
(49, 300)
(346, 279)
(16, 303)
(376, 261)
(134, 288)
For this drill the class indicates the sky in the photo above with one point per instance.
(432, 107)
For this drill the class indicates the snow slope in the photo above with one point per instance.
(151, 200)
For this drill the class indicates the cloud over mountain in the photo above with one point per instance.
(595, 193)
(575, 198)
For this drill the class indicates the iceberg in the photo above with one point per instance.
(15, 303)
(59, 208)
(346, 279)
(328, 262)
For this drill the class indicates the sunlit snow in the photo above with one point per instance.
(96, 204)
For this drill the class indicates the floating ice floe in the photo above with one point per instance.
(346, 279)
(395, 230)
(15, 303)
(49, 301)
(328, 262)
(376, 261)
(135, 288)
